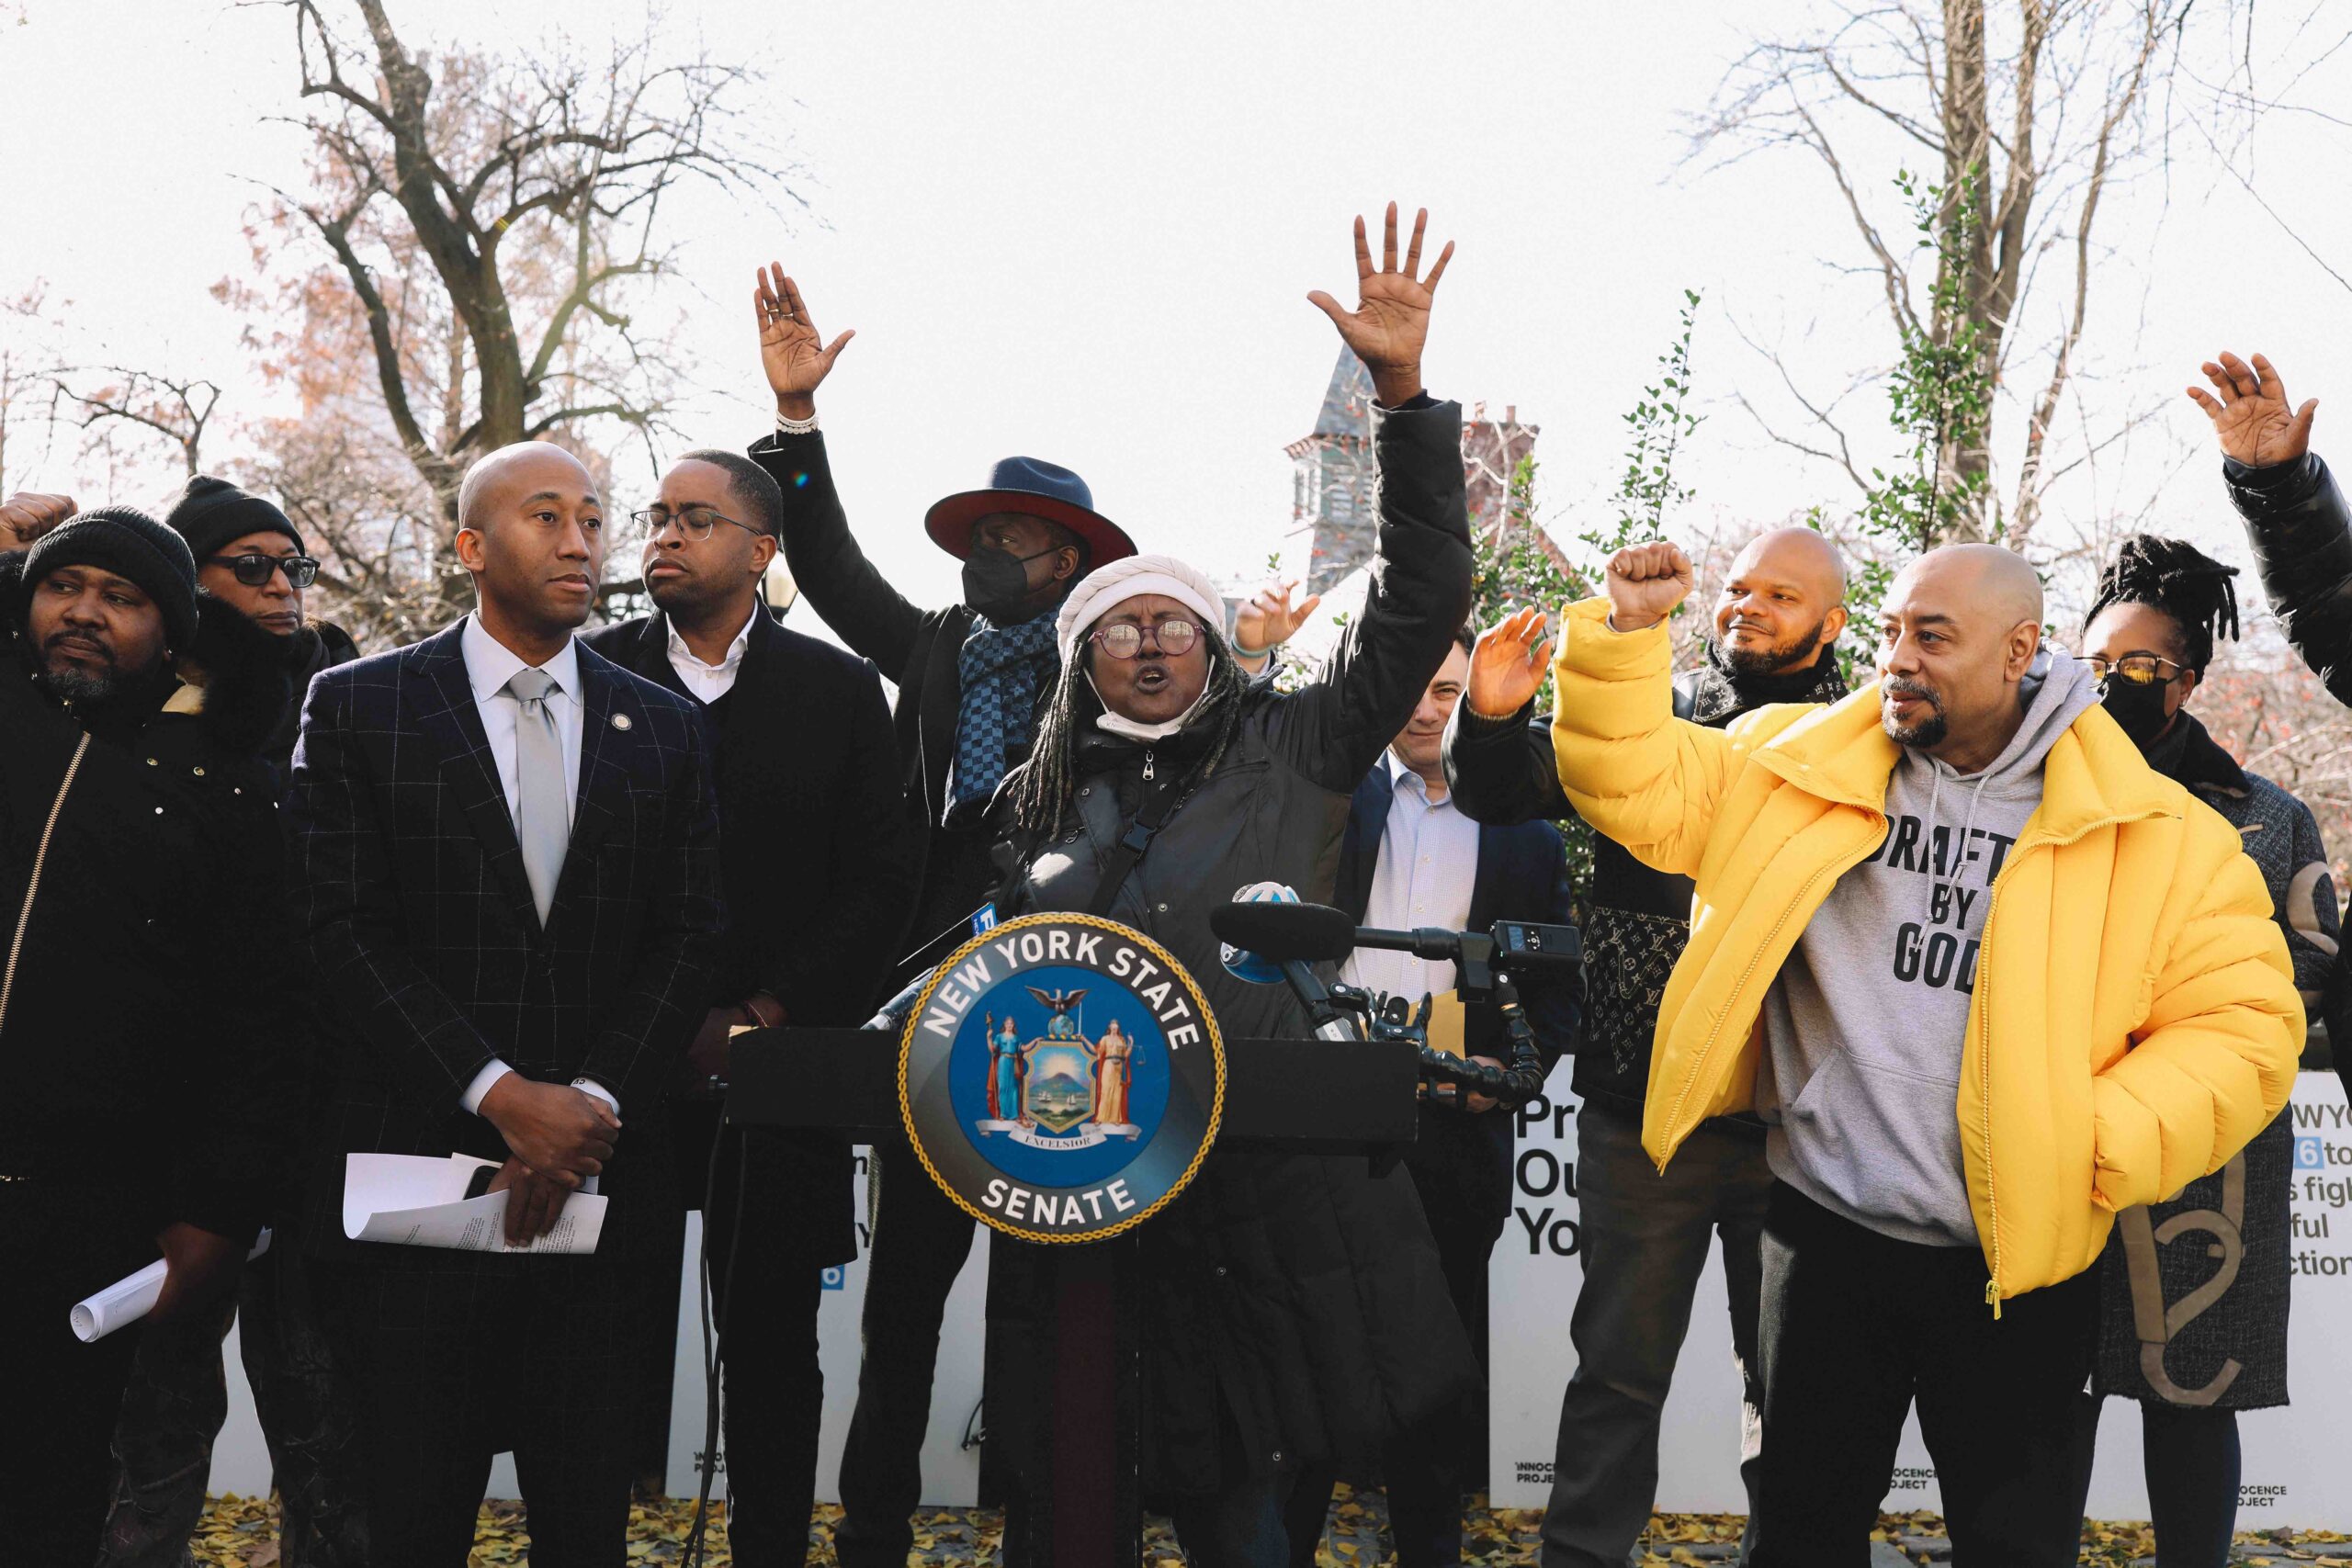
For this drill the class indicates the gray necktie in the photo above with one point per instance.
(542, 817)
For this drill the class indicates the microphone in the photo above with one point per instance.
(1287, 932)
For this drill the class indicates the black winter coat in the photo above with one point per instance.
(917, 650)
(148, 1047)
(1294, 1300)
(2300, 533)
(319, 646)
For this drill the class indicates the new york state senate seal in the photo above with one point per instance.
(1061, 1077)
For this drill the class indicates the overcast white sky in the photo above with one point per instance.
(1085, 233)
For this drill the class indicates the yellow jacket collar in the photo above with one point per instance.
(2093, 775)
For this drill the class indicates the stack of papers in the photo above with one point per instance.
(420, 1201)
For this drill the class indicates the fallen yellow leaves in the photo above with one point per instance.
(241, 1533)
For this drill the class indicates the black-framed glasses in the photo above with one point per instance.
(253, 570)
(694, 521)
(2139, 669)
(1126, 639)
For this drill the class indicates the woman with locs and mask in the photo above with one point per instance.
(2150, 635)
(1292, 1306)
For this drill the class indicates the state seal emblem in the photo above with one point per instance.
(1061, 1077)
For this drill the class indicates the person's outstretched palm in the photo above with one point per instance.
(793, 352)
(1507, 667)
(2253, 419)
(1391, 319)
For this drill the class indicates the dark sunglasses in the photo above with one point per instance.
(254, 571)
(2139, 669)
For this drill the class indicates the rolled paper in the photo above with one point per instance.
(130, 1298)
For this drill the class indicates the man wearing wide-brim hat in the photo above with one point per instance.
(970, 678)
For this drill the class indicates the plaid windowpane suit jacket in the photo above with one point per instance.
(429, 952)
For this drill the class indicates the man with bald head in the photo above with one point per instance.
(1644, 1235)
(507, 865)
(1987, 979)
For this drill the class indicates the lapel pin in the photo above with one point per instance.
(621, 721)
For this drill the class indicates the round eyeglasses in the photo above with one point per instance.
(694, 521)
(1126, 639)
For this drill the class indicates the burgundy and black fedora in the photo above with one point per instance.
(1034, 489)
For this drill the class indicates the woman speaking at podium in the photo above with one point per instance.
(1292, 1308)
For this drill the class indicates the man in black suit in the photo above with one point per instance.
(507, 858)
(820, 883)
(1409, 858)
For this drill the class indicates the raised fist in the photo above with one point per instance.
(1646, 582)
(27, 514)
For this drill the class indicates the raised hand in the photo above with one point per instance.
(793, 352)
(1392, 315)
(1269, 619)
(1646, 582)
(1507, 667)
(27, 514)
(2253, 419)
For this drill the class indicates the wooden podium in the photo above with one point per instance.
(1304, 1096)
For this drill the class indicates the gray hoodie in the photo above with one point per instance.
(1865, 1025)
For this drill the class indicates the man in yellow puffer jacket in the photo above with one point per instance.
(1988, 977)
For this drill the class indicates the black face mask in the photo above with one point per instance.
(996, 583)
(2138, 710)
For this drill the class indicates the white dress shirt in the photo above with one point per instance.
(1428, 864)
(490, 664)
(709, 683)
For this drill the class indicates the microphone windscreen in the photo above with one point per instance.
(1311, 932)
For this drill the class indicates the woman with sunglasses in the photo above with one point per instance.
(2149, 638)
(250, 556)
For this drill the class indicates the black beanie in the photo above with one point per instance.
(209, 512)
(126, 542)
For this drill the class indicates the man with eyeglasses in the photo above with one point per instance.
(818, 878)
(250, 556)
(972, 678)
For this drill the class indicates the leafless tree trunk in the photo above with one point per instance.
(2029, 110)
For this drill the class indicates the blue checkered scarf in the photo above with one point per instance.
(1003, 669)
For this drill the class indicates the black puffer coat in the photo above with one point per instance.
(2300, 533)
(148, 1045)
(1293, 1300)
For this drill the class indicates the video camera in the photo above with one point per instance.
(1294, 936)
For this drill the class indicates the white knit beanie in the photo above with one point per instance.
(1106, 588)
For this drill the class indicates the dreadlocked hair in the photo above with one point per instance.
(1040, 788)
(2175, 576)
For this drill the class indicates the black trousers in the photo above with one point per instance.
(58, 1398)
(456, 1356)
(919, 1245)
(766, 1305)
(1856, 1328)
(1424, 1468)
